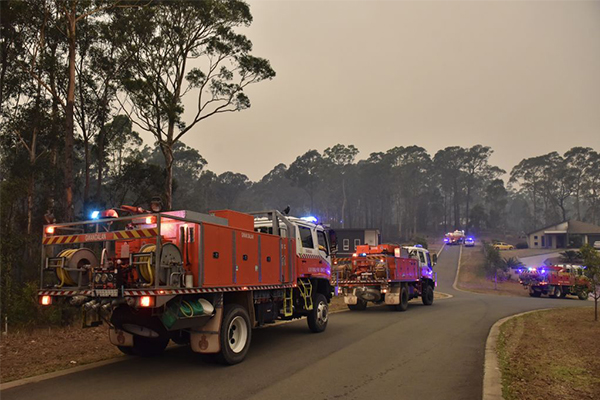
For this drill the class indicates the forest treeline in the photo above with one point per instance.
(80, 80)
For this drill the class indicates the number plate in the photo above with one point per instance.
(107, 292)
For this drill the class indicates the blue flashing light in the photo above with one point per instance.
(446, 240)
(470, 238)
(310, 218)
(418, 245)
(363, 254)
(95, 214)
(543, 271)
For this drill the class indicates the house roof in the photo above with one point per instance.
(582, 227)
(573, 227)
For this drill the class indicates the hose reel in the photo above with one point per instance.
(170, 262)
(72, 271)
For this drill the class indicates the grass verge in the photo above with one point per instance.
(552, 354)
(472, 276)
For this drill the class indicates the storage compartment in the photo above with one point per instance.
(236, 219)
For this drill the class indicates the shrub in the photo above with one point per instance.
(420, 240)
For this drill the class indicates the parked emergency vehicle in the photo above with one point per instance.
(456, 237)
(556, 281)
(194, 278)
(388, 274)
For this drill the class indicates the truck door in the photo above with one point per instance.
(324, 247)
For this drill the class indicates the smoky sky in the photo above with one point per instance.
(521, 77)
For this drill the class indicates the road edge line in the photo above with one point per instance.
(492, 376)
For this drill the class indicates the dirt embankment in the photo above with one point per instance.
(551, 354)
(26, 354)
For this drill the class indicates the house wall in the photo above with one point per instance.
(348, 239)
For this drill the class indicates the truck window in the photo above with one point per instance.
(322, 241)
(306, 237)
(422, 257)
(429, 260)
(346, 243)
(356, 243)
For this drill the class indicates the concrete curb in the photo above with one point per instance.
(492, 376)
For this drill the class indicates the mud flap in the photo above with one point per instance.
(206, 340)
(350, 299)
(392, 298)
(119, 337)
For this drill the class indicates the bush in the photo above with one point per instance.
(420, 240)
(521, 245)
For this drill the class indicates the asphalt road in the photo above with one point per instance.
(432, 352)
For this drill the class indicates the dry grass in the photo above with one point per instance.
(472, 276)
(26, 354)
(551, 355)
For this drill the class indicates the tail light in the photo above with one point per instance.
(45, 300)
(146, 301)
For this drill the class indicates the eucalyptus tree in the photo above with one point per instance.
(580, 162)
(477, 170)
(179, 48)
(341, 157)
(528, 174)
(447, 164)
(306, 173)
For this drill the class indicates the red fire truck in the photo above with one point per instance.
(388, 274)
(556, 281)
(192, 278)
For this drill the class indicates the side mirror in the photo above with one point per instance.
(434, 258)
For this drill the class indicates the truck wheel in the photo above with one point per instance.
(360, 305)
(149, 347)
(318, 317)
(564, 293)
(403, 299)
(427, 295)
(583, 295)
(557, 291)
(235, 335)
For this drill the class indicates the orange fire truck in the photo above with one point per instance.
(389, 274)
(556, 281)
(194, 278)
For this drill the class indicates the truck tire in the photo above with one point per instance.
(427, 295)
(360, 305)
(235, 335)
(564, 293)
(558, 292)
(318, 317)
(582, 295)
(403, 299)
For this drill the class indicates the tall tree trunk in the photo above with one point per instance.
(31, 183)
(168, 153)
(343, 202)
(86, 189)
(100, 161)
(69, 126)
